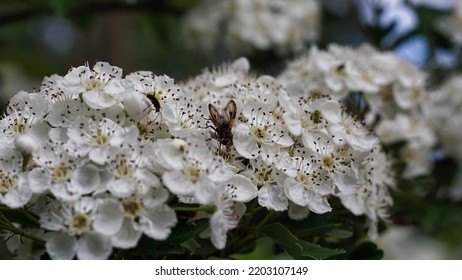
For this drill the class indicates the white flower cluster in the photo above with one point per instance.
(100, 154)
(283, 25)
(445, 117)
(452, 25)
(388, 90)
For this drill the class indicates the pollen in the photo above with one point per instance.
(93, 83)
(263, 176)
(328, 163)
(7, 183)
(260, 133)
(80, 223)
(18, 126)
(60, 173)
(124, 170)
(101, 138)
(193, 173)
(132, 208)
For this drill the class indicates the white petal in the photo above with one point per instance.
(125, 136)
(136, 105)
(39, 180)
(245, 190)
(172, 153)
(122, 187)
(353, 203)
(346, 181)
(97, 99)
(293, 124)
(155, 197)
(17, 197)
(178, 183)
(157, 222)
(331, 111)
(297, 212)
(219, 229)
(94, 246)
(61, 246)
(102, 155)
(319, 205)
(25, 144)
(86, 178)
(206, 191)
(147, 178)
(245, 145)
(109, 216)
(127, 237)
(296, 192)
(273, 198)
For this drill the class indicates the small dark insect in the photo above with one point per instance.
(224, 122)
(154, 102)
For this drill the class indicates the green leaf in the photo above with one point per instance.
(21, 216)
(367, 251)
(186, 231)
(173, 244)
(284, 238)
(343, 232)
(297, 248)
(319, 230)
(316, 252)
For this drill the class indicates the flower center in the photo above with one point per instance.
(193, 173)
(18, 126)
(260, 133)
(93, 83)
(132, 208)
(328, 162)
(7, 183)
(316, 116)
(80, 223)
(124, 170)
(263, 176)
(305, 180)
(60, 172)
(101, 139)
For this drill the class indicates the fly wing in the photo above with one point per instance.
(215, 116)
(230, 112)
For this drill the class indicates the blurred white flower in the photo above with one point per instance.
(283, 26)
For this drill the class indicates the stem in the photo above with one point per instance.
(7, 225)
(205, 208)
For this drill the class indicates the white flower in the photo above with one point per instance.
(55, 172)
(100, 87)
(307, 116)
(25, 120)
(81, 228)
(347, 128)
(128, 171)
(261, 134)
(334, 159)
(260, 24)
(181, 117)
(193, 169)
(269, 181)
(100, 140)
(145, 212)
(307, 188)
(230, 208)
(14, 188)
